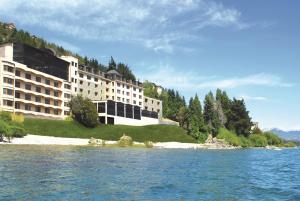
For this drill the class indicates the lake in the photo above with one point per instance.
(87, 173)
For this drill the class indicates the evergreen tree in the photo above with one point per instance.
(239, 120)
(112, 64)
(211, 117)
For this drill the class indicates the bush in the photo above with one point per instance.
(258, 140)
(148, 144)
(5, 116)
(125, 141)
(18, 118)
(3, 130)
(245, 142)
(202, 137)
(273, 139)
(16, 131)
(230, 137)
(84, 111)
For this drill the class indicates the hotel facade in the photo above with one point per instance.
(35, 82)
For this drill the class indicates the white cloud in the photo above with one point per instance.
(154, 24)
(167, 76)
(255, 98)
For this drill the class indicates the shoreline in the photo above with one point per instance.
(50, 140)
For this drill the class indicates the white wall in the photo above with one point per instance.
(133, 122)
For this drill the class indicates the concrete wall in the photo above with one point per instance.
(134, 122)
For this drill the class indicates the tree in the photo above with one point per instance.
(182, 116)
(239, 120)
(224, 100)
(211, 117)
(112, 64)
(84, 111)
(196, 126)
(125, 71)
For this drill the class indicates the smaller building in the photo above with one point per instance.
(152, 105)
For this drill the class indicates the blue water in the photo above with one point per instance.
(76, 173)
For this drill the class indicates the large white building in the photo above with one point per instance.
(36, 82)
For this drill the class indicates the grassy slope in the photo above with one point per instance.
(72, 129)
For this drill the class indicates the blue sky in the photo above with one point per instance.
(248, 48)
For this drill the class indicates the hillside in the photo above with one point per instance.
(72, 129)
(287, 135)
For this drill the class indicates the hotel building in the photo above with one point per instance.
(36, 82)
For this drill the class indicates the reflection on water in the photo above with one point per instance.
(85, 173)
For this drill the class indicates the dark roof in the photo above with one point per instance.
(113, 72)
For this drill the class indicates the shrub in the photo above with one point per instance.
(3, 130)
(148, 144)
(258, 140)
(16, 131)
(273, 139)
(245, 142)
(289, 144)
(230, 137)
(84, 111)
(202, 137)
(125, 141)
(5, 116)
(18, 118)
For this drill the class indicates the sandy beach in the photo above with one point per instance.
(48, 140)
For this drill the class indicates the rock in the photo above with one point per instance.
(96, 142)
(125, 141)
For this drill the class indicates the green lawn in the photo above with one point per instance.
(72, 129)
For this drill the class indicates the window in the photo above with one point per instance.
(38, 79)
(152, 101)
(67, 95)
(134, 89)
(47, 82)
(67, 86)
(89, 84)
(81, 75)
(140, 90)
(56, 93)
(146, 100)
(28, 86)
(75, 80)
(88, 77)
(55, 102)
(118, 98)
(28, 107)
(47, 91)
(158, 110)
(8, 103)
(28, 97)
(118, 91)
(134, 102)
(113, 97)
(72, 63)
(8, 80)
(158, 103)
(37, 99)
(47, 101)
(96, 93)
(75, 64)
(146, 108)
(113, 90)
(38, 89)
(81, 82)
(56, 112)
(66, 104)
(66, 113)
(8, 91)
(140, 96)
(8, 68)
(17, 105)
(127, 93)
(127, 100)
(17, 84)
(55, 84)
(96, 79)
(96, 85)
(75, 89)
(28, 76)
(18, 73)
(127, 87)
(81, 90)
(47, 110)
(88, 91)
(140, 103)
(37, 109)
(75, 72)
(134, 95)
(17, 95)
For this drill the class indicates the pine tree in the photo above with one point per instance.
(211, 117)
(112, 64)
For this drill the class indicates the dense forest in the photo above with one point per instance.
(218, 111)
(11, 34)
